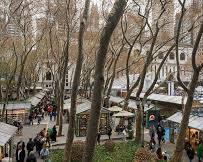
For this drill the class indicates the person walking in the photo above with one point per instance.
(20, 153)
(152, 132)
(31, 157)
(159, 154)
(54, 133)
(124, 134)
(39, 119)
(190, 152)
(160, 133)
(200, 151)
(44, 153)
(39, 143)
(31, 119)
(30, 146)
(48, 138)
(98, 137)
(109, 133)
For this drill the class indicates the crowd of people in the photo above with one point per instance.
(40, 143)
(44, 108)
(158, 131)
(191, 151)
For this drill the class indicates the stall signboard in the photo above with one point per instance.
(152, 118)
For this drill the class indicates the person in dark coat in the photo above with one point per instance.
(31, 157)
(98, 137)
(38, 143)
(109, 133)
(160, 133)
(54, 134)
(30, 146)
(190, 152)
(20, 153)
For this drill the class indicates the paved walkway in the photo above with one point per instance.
(30, 131)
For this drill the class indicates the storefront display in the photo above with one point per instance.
(83, 115)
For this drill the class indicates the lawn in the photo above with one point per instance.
(123, 152)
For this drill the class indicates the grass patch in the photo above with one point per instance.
(123, 152)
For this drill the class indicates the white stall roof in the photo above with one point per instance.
(84, 106)
(164, 98)
(34, 100)
(131, 104)
(116, 99)
(16, 106)
(194, 121)
(6, 132)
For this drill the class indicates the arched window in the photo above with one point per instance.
(161, 55)
(172, 56)
(48, 75)
(182, 56)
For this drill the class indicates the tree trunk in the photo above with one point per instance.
(177, 156)
(62, 84)
(138, 134)
(76, 83)
(112, 21)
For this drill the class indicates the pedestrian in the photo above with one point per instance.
(109, 133)
(124, 134)
(159, 154)
(200, 151)
(31, 119)
(20, 153)
(48, 138)
(54, 114)
(54, 133)
(152, 131)
(152, 145)
(39, 119)
(30, 146)
(44, 153)
(190, 152)
(31, 157)
(160, 133)
(38, 143)
(98, 137)
(50, 115)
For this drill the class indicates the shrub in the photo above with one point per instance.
(109, 145)
(77, 150)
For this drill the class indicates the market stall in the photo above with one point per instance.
(195, 127)
(82, 116)
(17, 110)
(6, 140)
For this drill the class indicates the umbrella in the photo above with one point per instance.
(124, 114)
(115, 109)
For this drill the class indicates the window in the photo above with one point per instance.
(172, 56)
(48, 75)
(182, 56)
(161, 55)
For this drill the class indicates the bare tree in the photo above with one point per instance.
(189, 90)
(76, 83)
(108, 29)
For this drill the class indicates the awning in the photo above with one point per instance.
(164, 98)
(35, 100)
(131, 103)
(6, 132)
(115, 109)
(124, 114)
(16, 106)
(194, 121)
